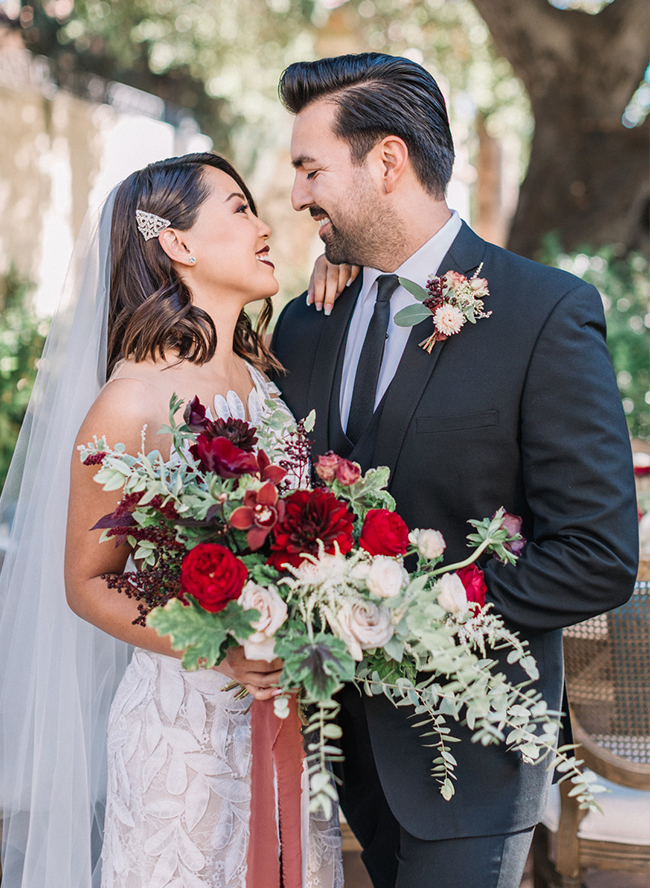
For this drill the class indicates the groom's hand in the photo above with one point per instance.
(258, 677)
(327, 282)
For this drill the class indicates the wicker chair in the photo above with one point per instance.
(608, 682)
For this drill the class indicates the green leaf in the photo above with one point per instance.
(201, 634)
(318, 666)
(415, 289)
(412, 315)
(309, 421)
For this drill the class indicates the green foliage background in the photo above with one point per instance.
(624, 285)
(22, 337)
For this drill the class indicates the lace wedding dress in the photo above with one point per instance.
(179, 756)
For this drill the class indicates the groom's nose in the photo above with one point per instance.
(301, 197)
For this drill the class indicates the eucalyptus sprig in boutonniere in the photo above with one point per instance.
(451, 299)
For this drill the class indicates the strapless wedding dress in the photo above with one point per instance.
(179, 760)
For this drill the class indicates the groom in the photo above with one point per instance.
(519, 410)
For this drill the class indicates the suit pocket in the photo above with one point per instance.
(427, 424)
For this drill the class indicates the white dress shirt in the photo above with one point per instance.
(419, 267)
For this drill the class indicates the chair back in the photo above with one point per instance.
(608, 681)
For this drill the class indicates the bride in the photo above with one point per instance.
(187, 253)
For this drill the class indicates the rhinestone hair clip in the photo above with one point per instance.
(150, 225)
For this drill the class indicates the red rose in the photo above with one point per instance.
(384, 533)
(311, 516)
(472, 579)
(347, 472)
(213, 576)
(219, 455)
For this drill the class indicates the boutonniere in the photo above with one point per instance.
(451, 299)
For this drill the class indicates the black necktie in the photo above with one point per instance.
(362, 405)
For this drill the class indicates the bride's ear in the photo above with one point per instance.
(174, 245)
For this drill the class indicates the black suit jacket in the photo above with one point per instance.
(520, 410)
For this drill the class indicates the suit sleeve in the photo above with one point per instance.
(578, 479)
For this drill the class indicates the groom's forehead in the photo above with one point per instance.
(313, 131)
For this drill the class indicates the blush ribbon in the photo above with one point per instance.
(274, 857)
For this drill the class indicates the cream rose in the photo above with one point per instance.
(362, 626)
(451, 593)
(429, 543)
(386, 577)
(273, 612)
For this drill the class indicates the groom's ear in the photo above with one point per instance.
(172, 243)
(393, 155)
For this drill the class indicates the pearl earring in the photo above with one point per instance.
(192, 260)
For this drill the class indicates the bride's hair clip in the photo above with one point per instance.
(150, 225)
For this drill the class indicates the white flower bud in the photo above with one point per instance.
(451, 593)
(430, 543)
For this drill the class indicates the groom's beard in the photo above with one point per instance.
(365, 232)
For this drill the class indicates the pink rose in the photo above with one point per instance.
(327, 466)
(455, 279)
(347, 472)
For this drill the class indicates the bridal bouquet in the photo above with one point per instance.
(234, 546)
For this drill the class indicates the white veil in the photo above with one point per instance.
(58, 673)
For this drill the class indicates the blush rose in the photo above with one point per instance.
(273, 613)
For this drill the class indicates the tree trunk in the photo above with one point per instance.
(588, 179)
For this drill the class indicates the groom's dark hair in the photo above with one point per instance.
(377, 96)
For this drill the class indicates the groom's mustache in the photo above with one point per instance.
(317, 211)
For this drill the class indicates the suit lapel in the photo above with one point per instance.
(417, 366)
(330, 343)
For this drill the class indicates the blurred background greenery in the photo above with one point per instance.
(548, 102)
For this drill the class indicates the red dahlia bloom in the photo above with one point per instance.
(212, 575)
(384, 533)
(220, 456)
(259, 514)
(311, 516)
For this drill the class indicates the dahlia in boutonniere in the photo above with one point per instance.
(451, 300)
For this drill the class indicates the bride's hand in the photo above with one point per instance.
(258, 677)
(327, 282)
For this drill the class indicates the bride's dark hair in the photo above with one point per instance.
(151, 310)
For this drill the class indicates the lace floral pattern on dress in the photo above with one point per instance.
(178, 799)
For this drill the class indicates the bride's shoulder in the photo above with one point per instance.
(125, 405)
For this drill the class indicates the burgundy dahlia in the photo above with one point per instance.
(311, 516)
(238, 432)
